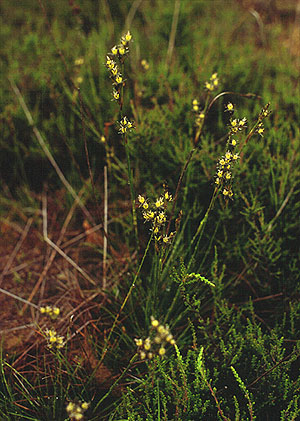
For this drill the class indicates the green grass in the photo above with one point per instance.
(227, 285)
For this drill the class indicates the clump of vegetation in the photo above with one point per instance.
(150, 218)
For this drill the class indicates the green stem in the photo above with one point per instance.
(157, 276)
(132, 192)
(172, 305)
(210, 243)
(129, 172)
(251, 133)
(199, 130)
(202, 224)
(189, 158)
(121, 309)
(116, 382)
(201, 227)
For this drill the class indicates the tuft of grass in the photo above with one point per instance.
(147, 189)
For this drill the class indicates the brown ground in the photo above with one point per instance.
(34, 271)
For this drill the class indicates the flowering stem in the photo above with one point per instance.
(251, 133)
(199, 129)
(129, 172)
(189, 158)
(191, 153)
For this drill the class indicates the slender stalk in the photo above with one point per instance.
(189, 158)
(251, 133)
(173, 33)
(10, 294)
(132, 191)
(105, 227)
(133, 9)
(129, 171)
(158, 399)
(212, 237)
(202, 224)
(46, 150)
(121, 309)
(116, 382)
(170, 309)
(201, 227)
(157, 274)
(16, 249)
(57, 249)
(199, 129)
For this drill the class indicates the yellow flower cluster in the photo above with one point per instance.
(229, 107)
(156, 342)
(52, 312)
(223, 178)
(156, 214)
(145, 64)
(125, 125)
(265, 112)
(237, 125)
(53, 339)
(260, 129)
(200, 114)
(118, 52)
(79, 61)
(213, 83)
(224, 174)
(114, 71)
(122, 49)
(195, 104)
(75, 410)
(77, 78)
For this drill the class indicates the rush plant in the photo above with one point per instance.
(155, 277)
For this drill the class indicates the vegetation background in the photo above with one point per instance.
(53, 57)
